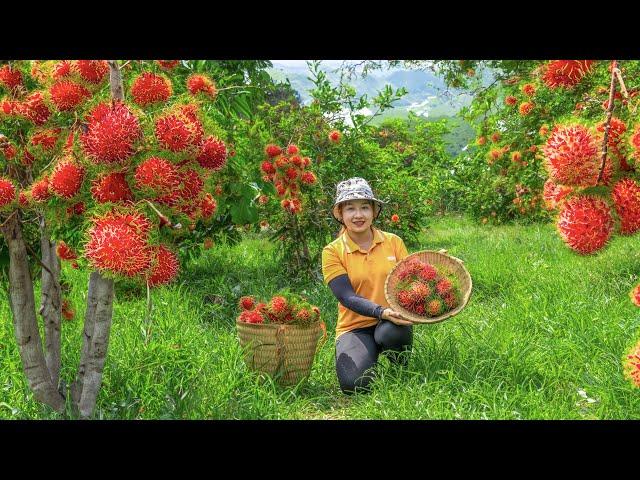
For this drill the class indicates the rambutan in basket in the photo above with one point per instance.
(443, 262)
(284, 352)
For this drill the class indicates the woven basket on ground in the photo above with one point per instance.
(284, 352)
(445, 264)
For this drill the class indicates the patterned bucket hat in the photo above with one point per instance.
(355, 188)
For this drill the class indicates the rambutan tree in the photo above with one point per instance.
(122, 181)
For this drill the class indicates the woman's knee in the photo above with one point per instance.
(353, 377)
(393, 337)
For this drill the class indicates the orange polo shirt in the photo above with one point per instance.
(367, 271)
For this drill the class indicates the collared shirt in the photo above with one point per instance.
(367, 271)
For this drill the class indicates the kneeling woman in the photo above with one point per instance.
(355, 266)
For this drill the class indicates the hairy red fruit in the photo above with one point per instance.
(111, 133)
(554, 194)
(178, 131)
(293, 149)
(450, 300)
(168, 64)
(112, 187)
(566, 73)
(267, 167)
(427, 272)
(67, 95)
(626, 200)
(76, 209)
(292, 173)
(66, 179)
(525, 108)
(45, 138)
(208, 206)
(528, 89)
(443, 286)
(118, 243)
(632, 365)
(635, 295)
(247, 302)
(192, 185)
(420, 291)
(92, 71)
(251, 316)
(308, 177)
(158, 175)
(395, 218)
(34, 109)
(434, 307)
(61, 69)
(197, 83)
(334, 136)
(585, 223)
(40, 190)
(65, 252)
(213, 154)
(481, 141)
(495, 137)
(263, 199)
(272, 150)
(510, 100)
(7, 192)
(149, 88)
(572, 157)
(10, 78)
(164, 266)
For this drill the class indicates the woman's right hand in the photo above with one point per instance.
(395, 317)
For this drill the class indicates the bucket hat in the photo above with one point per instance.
(355, 188)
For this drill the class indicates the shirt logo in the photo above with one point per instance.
(391, 258)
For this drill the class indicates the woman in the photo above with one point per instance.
(355, 266)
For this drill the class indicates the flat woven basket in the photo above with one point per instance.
(443, 262)
(284, 352)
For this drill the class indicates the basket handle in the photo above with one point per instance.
(443, 250)
(324, 335)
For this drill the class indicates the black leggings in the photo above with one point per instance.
(357, 352)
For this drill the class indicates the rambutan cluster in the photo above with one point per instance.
(566, 73)
(288, 171)
(10, 78)
(285, 308)
(424, 290)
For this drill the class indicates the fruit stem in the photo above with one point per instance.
(612, 89)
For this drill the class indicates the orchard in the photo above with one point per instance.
(124, 182)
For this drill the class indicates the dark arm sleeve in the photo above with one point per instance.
(343, 291)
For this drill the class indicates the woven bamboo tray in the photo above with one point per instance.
(284, 352)
(443, 262)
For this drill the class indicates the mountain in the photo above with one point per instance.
(427, 93)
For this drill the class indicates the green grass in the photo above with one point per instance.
(544, 329)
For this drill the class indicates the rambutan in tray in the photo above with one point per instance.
(447, 264)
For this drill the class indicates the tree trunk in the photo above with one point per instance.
(96, 342)
(50, 304)
(22, 303)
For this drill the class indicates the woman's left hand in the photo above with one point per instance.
(395, 317)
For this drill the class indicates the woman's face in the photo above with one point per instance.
(357, 215)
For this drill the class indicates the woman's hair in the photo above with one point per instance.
(370, 202)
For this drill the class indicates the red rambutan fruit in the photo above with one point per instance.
(177, 132)
(111, 133)
(92, 71)
(626, 200)
(554, 194)
(292, 173)
(213, 154)
(632, 365)
(65, 252)
(67, 95)
(66, 179)
(10, 78)
(267, 167)
(528, 89)
(164, 266)
(118, 243)
(112, 187)
(34, 109)
(247, 302)
(40, 190)
(566, 73)
(510, 100)
(450, 300)
(395, 218)
(634, 294)
(443, 286)
(7, 192)
(495, 137)
(208, 206)
(308, 177)
(293, 149)
(525, 108)
(168, 64)
(158, 175)
(192, 184)
(263, 199)
(272, 150)
(572, 157)
(197, 83)
(420, 291)
(585, 223)
(334, 136)
(149, 88)
(61, 69)
(278, 306)
(427, 272)
(434, 307)
(45, 138)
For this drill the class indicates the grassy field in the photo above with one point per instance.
(542, 338)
